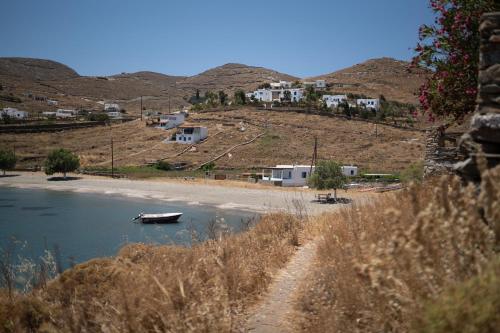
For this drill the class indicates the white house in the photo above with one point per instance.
(297, 175)
(110, 107)
(288, 175)
(14, 113)
(49, 114)
(334, 100)
(263, 95)
(52, 102)
(320, 84)
(349, 170)
(191, 134)
(169, 121)
(271, 95)
(369, 103)
(61, 113)
(114, 114)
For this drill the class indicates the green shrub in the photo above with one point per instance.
(414, 172)
(163, 165)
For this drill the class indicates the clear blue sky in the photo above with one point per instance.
(186, 37)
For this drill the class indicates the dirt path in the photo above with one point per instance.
(273, 314)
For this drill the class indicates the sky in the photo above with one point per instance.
(185, 37)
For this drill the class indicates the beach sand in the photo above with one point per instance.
(221, 194)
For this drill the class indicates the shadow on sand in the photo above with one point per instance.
(58, 179)
(11, 175)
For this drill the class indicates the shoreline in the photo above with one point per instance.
(222, 196)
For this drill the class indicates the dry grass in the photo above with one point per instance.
(289, 139)
(160, 288)
(380, 262)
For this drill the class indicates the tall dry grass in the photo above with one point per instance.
(379, 263)
(149, 288)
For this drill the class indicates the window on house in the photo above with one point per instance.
(304, 174)
(352, 172)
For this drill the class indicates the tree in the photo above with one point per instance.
(287, 96)
(208, 167)
(239, 97)
(266, 85)
(7, 160)
(450, 48)
(61, 160)
(328, 175)
(211, 98)
(197, 94)
(222, 97)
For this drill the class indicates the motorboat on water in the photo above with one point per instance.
(158, 218)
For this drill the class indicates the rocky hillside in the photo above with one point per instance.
(386, 76)
(231, 77)
(21, 77)
(35, 69)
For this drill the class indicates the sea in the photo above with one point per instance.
(76, 227)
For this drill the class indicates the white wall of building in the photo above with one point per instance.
(349, 170)
(61, 113)
(369, 103)
(297, 175)
(14, 113)
(190, 135)
(320, 84)
(334, 100)
(171, 120)
(109, 107)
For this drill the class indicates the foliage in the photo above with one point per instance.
(287, 95)
(266, 85)
(413, 173)
(61, 160)
(208, 167)
(222, 97)
(472, 306)
(211, 99)
(239, 97)
(7, 160)
(327, 175)
(450, 48)
(163, 165)
(98, 117)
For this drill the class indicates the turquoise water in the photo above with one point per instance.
(83, 226)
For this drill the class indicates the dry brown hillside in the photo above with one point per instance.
(231, 77)
(286, 138)
(35, 69)
(386, 76)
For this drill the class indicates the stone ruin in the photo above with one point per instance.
(483, 136)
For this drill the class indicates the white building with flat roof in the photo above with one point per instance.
(191, 134)
(14, 113)
(62, 113)
(169, 121)
(298, 175)
(333, 101)
(288, 175)
(110, 107)
(369, 103)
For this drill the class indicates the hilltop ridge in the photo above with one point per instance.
(374, 77)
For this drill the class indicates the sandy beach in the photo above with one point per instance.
(214, 193)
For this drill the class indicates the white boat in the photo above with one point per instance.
(158, 218)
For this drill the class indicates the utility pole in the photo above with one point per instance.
(168, 103)
(112, 160)
(314, 156)
(141, 108)
(376, 130)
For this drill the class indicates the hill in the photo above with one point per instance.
(386, 76)
(284, 139)
(22, 77)
(231, 77)
(35, 69)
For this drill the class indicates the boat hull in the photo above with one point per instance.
(159, 218)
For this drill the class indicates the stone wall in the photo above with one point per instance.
(441, 152)
(484, 134)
